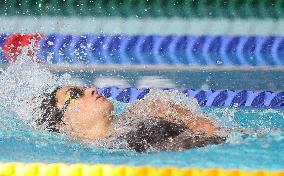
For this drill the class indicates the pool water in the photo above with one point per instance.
(256, 80)
(21, 143)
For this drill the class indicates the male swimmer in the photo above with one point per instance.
(148, 125)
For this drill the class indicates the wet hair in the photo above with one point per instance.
(51, 116)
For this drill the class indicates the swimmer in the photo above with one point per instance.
(84, 114)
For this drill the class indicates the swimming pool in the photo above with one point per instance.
(226, 54)
(22, 143)
(188, 77)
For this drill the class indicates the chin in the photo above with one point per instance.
(108, 104)
(111, 106)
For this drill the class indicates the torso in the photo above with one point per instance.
(152, 133)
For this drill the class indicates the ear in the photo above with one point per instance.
(64, 126)
(61, 127)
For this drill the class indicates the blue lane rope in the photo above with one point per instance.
(215, 98)
(3, 38)
(156, 49)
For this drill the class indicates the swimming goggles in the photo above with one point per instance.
(72, 94)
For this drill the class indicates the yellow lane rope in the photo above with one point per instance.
(40, 169)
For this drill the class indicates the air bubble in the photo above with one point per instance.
(219, 62)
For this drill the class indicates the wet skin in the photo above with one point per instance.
(90, 116)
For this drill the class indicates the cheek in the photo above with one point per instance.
(90, 110)
(78, 120)
(87, 112)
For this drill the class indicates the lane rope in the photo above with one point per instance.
(60, 169)
(151, 49)
(210, 98)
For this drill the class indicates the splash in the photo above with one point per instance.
(174, 97)
(177, 98)
(227, 118)
(24, 82)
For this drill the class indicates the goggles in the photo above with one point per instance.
(72, 94)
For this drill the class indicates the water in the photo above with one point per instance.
(194, 79)
(20, 141)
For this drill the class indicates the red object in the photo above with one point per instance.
(14, 44)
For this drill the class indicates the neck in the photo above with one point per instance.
(96, 132)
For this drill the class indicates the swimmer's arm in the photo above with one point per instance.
(189, 139)
(157, 108)
(197, 123)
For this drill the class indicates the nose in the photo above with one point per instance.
(92, 91)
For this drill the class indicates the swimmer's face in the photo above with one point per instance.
(87, 114)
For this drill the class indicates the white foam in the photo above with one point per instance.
(154, 82)
(106, 81)
(24, 82)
